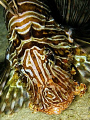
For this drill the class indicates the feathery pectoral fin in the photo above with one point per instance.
(12, 94)
(82, 63)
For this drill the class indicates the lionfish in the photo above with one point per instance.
(43, 56)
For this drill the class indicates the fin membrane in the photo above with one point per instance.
(82, 63)
(13, 94)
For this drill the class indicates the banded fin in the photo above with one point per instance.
(82, 63)
(13, 94)
(12, 99)
(72, 14)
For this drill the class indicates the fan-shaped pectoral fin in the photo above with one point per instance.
(13, 94)
(82, 63)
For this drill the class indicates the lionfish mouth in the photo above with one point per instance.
(41, 58)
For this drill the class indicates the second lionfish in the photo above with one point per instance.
(41, 59)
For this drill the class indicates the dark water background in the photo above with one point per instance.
(78, 110)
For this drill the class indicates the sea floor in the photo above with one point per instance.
(78, 110)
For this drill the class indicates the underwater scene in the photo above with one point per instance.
(44, 60)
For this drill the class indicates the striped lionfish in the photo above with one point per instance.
(43, 56)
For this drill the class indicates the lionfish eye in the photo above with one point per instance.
(50, 56)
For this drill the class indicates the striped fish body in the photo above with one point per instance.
(40, 54)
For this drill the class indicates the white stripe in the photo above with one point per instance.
(28, 28)
(23, 26)
(12, 104)
(54, 73)
(24, 16)
(28, 70)
(32, 65)
(3, 107)
(47, 71)
(12, 36)
(40, 64)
